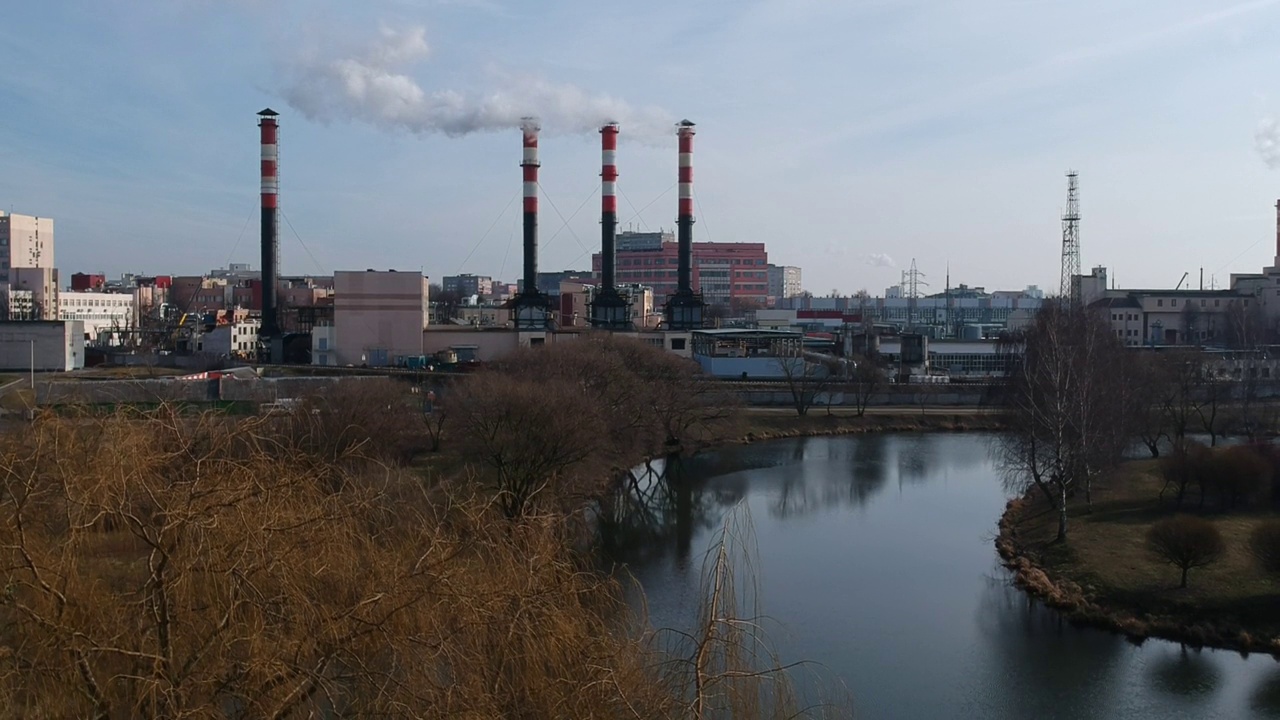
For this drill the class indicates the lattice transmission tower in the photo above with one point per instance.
(912, 280)
(1070, 287)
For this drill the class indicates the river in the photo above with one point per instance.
(875, 560)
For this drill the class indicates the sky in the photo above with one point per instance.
(851, 136)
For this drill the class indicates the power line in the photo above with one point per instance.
(701, 215)
(646, 207)
(571, 217)
(239, 237)
(319, 268)
(566, 222)
(486, 232)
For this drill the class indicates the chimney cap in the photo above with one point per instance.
(685, 123)
(268, 112)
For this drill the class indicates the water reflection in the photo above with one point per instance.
(875, 556)
(1186, 672)
(1265, 699)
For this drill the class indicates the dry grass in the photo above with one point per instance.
(1104, 572)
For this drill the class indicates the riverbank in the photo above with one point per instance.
(757, 425)
(1103, 576)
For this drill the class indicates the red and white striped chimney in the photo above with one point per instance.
(684, 220)
(530, 164)
(268, 128)
(608, 204)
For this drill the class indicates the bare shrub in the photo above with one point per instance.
(377, 417)
(532, 434)
(157, 565)
(1185, 542)
(1264, 546)
(1185, 466)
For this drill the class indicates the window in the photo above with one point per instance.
(1160, 302)
(1174, 302)
(677, 343)
(1202, 302)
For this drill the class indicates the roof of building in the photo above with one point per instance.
(1115, 302)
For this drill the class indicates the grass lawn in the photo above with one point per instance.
(1106, 555)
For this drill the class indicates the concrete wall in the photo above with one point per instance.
(379, 316)
(59, 346)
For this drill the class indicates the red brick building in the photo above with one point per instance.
(87, 282)
(722, 272)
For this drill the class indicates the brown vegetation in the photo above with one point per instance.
(1186, 542)
(165, 564)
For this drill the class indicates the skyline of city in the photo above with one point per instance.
(146, 152)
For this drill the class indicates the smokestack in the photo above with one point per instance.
(684, 221)
(530, 165)
(270, 331)
(1277, 261)
(608, 204)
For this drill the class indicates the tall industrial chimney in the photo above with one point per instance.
(609, 309)
(530, 306)
(684, 309)
(269, 334)
(684, 220)
(608, 203)
(530, 164)
(1277, 234)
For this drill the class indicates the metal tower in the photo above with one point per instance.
(912, 280)
(1070, 287)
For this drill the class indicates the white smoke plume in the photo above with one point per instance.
(879, 260)
(371, 85)
(1266, 140)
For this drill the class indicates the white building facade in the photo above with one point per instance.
(26, 241)
(106, 316)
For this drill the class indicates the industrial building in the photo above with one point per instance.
(41, 346)
(105, 316)
(378, 317)
(723, 272)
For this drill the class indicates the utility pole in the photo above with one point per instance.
(1070, 288)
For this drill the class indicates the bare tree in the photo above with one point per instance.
(868, 378)
(531, 433)
(806, 380)
(1066, 420)
(1186, 542)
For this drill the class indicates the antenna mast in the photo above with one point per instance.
(1070, 287)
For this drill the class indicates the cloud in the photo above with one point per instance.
(371, 86)
(879, 260)
(1266, 140)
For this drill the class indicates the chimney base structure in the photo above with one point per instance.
(685, 309)
(610, 310)
(530, 309)
(270, 339)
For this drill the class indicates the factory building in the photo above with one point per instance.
(723, 271)
(378, 317)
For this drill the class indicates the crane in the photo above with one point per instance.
(1184, 279)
